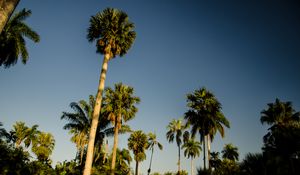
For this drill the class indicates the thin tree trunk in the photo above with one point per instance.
(204, 153)
(136, 168)
(81, 155)
(178, 160)
(106, 151)
(114, 153)
(192, 168)
(208, 151)
(149, 170)
(7, 7)
(96, 113)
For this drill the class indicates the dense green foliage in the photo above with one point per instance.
(205, 117)
(12, 41)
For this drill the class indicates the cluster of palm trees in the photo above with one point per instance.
(22, 136)
(204, 116)
(106, 115)
(118, 107)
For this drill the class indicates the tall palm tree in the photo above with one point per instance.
(230, 152)
(176, 130)
(192, 149)
(119, 106)
(138, 143)
(12, 39)
(114, 34)
(152, 142)
(80, 123)
(7, 8)
(43, 146)
(205, 117)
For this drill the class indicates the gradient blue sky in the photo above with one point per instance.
(246, 52)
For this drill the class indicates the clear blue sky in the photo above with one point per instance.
(247, 53)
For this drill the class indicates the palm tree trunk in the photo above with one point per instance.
(208, 151)
(149, 170)
(204, 153)
(81, 155)
(7, 7)
(192, 168)
(96, 113)
(178, 159)
(136, 168)
(114, 153)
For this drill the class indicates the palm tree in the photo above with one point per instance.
(22, 133)
(175, 130)
(123, 160)
(152, 142)
(12, 39)
(7, 7)
(119, 106)
(79, 125)
(230, 152)
(19, 133)
(215, 161)
(3, 132)
(279, 113)
(43, 146)
(192, 149)
(205, 117)
(138, 143)
(31, 135)
(114, 34)
(80, 122)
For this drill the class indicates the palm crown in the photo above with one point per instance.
(205, 114)
(113, 32)
(279, 113)
(12, 42)
(120, 101)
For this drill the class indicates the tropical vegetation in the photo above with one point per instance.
(12, 39)
(27, 150)
(114, 34)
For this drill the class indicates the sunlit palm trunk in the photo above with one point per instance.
(178, 160)
(97, 108)
(7, 7)
(208, 150)
(114, 153)
(149, 170)
(81, 154)
(192, 167)
(136, 168)
(204, 152)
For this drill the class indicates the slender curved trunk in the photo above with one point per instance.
(114, 153)
(208, 151)
(192, 167)
(136, 168)
(204, 153)
(178, 159)
(149, 170)
(96, 113)
(7, 7)
(81, 155)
